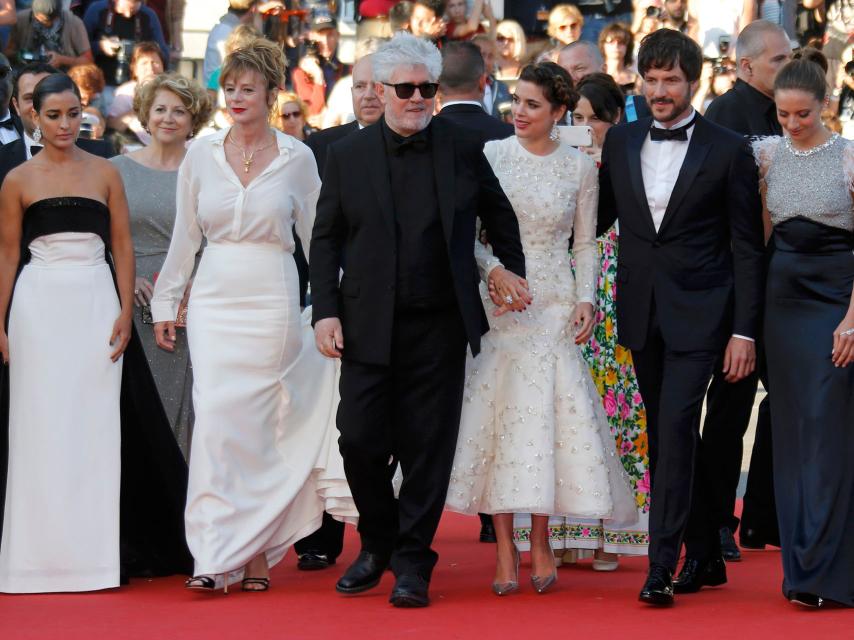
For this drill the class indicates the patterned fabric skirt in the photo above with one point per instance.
(613, 372)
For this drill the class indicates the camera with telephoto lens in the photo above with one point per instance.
(719, 64)
(28, 57)
(124, 53)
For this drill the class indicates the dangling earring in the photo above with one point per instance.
(37, 135)
(554, 134)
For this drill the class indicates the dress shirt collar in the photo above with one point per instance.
(29, 143)
(451, 103)
(681, 123)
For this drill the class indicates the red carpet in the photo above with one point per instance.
(300, 605)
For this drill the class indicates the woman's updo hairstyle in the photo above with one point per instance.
(50, 85)
(259, 55)
(604, 96)
(806, 72)
(555, 82)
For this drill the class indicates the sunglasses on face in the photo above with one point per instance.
(503, 39)
(405, 90)
(564, 27)
(290, 114)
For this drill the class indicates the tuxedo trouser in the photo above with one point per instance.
(673, 385)
(408, 412)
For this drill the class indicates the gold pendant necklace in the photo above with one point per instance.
(248, 160)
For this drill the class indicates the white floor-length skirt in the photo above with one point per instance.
(61, 525)
(264, 463)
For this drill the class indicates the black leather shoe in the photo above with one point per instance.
(487, 532)
(806, 599)
(754, 539)
(363, 574)
(658, 588)
(410, 591)
(314, 561)
(699, 573)
(729, 549)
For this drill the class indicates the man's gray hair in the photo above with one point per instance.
(405, 50)
(751, 40)
(591, 48)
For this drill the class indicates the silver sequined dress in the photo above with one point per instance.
(533, 435)
(151, 198)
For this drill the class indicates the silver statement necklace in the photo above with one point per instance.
(814, 150)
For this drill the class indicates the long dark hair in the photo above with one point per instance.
(50, 85)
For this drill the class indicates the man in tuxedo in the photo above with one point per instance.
(690, 276)
(19, 151)
(748, 108)
(321, 549)
(10, 125)
(406, 308)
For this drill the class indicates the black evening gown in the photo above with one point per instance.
(153, 471)
(809, 289)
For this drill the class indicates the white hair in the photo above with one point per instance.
(406, 50)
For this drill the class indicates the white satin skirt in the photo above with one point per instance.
(264, 461)
(61, 525)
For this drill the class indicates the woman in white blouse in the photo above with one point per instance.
(263, 460)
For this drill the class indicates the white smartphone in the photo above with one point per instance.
(577, 136)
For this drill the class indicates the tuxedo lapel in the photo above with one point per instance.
(637, 136)
(698, 148)
(443, 168)
(380, 179)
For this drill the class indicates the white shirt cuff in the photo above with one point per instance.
(735, 335)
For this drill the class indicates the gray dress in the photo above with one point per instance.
(151, 199)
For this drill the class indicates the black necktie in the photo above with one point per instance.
(8, 123)
(657, 134)
(34, 149)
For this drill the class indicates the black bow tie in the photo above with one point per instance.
(398, 145)
(657, 134)
(8, 123)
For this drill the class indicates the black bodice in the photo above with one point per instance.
(60, 215)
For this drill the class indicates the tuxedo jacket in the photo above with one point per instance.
(319, 141)
(703, 269)
(355, 215)
(14, 153)
(470, 116)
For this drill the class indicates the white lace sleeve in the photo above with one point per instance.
(763, 151)
(584, 231)
(486, 261)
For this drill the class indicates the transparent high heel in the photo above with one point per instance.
(505, 588)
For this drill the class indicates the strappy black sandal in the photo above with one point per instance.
(263, 584)
(205, 583)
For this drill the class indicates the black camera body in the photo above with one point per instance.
(29, 57)
(124, 53)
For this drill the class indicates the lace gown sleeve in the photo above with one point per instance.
(584, 232)
(763, 151)
(185, 243)
(483, 255)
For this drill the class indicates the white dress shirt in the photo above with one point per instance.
(660, 165)
(8, 135)
(29, 143)
(474, 103)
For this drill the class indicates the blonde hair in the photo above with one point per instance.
(190, 92)
(242, 35)
(283, 98)
(520, 42)
(260, 55)
(561, 12)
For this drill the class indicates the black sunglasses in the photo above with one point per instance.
(405, 90)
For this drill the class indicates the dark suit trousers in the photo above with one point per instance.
(328, 540)
(673, 385)
(407, 411)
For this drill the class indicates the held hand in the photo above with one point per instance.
(843, 343)
(120, 336)
(739, 359)
(508, 291)
(142, 292)
(329, 337)
(4, 347)
(582, 321)
(164, 335)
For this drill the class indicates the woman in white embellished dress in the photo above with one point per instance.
(263, 460)
(533, 435)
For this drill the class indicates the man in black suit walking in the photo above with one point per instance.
(406, 308)
(321, 549)
(19, 151)
(690, 276)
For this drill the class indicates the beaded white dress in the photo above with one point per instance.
(533, 436)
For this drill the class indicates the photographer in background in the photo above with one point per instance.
(319, 68)
(47, 33)
(114, 27)
(146, 62)
(669, 14)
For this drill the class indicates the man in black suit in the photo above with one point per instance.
(321, 549)
(690, 275)
(10, 124)
(408, 304)
(461, 87)
(748, 109)
(17, 152)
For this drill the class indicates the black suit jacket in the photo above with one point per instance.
(704, 267)
(470, 116)
(319, 141)
(745, 110)
(14, 154)
(355, 214)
